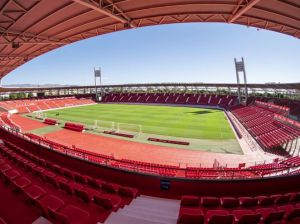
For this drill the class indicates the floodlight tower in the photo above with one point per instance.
(240, 68)
(97, 74)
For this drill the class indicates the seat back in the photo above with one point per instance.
(59, 217)
(282, 199)
(128, 192)
(82, 195)
(188, 200)
(104, 202)
(221, 219)
(295, 213)
(210, 202)
(248, 202)
(230, 202)
(274, 216)
(191, 218)
(109, 187)
(265, 201)
(249, 219)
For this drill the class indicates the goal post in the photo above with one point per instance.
(129, 128)
(39, 115)
(104, 125)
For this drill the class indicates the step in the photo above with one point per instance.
(158, 210)
(116, 218)
(154, 212)
(149, 217)
(163, 218)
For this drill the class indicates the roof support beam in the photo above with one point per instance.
(110, 10)
(243, 10)
(27, 38)
(4, 6)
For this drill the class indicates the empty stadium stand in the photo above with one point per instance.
(268, 131)
(172, 98)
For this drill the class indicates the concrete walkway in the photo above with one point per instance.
(147, 210)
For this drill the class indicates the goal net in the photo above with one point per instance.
(39, 115)
(104, 125)
(129, 128)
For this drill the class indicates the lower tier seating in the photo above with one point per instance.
(171, 170)
(63, 196)
(280, 208)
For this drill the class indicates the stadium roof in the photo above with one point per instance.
(29, 28)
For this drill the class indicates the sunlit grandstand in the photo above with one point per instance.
(145, 153)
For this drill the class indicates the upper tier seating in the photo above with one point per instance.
(172, 98)
(31, 105)
(6, 120)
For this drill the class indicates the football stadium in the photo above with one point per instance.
(145, 153)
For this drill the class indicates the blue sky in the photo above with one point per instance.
(196, 52)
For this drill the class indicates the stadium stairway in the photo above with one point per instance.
(147, 210)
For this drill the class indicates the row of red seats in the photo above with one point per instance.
(193, 172)
(31, 105)
(7, 121)
(172, 98)
(145, 167)
(272, 107)
(242, 210)
(74, 126)
(293, 161)
(168, 141)
(107, 195)
(269, 168)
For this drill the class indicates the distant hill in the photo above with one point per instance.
(34, 85)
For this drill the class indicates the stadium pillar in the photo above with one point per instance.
(97, 74)
(238, 81)
(240, 67)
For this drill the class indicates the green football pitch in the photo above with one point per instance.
(185, 122)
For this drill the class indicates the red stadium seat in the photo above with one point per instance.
(49, 201)
(191, 201)
(229, 202)
(219, 216)
(246, 217)
(70, 215)
(210, 201)
(270, 215)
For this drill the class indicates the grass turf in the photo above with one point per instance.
(198, 123)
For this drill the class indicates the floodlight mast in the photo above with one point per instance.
(97, 74)
(240, 67)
